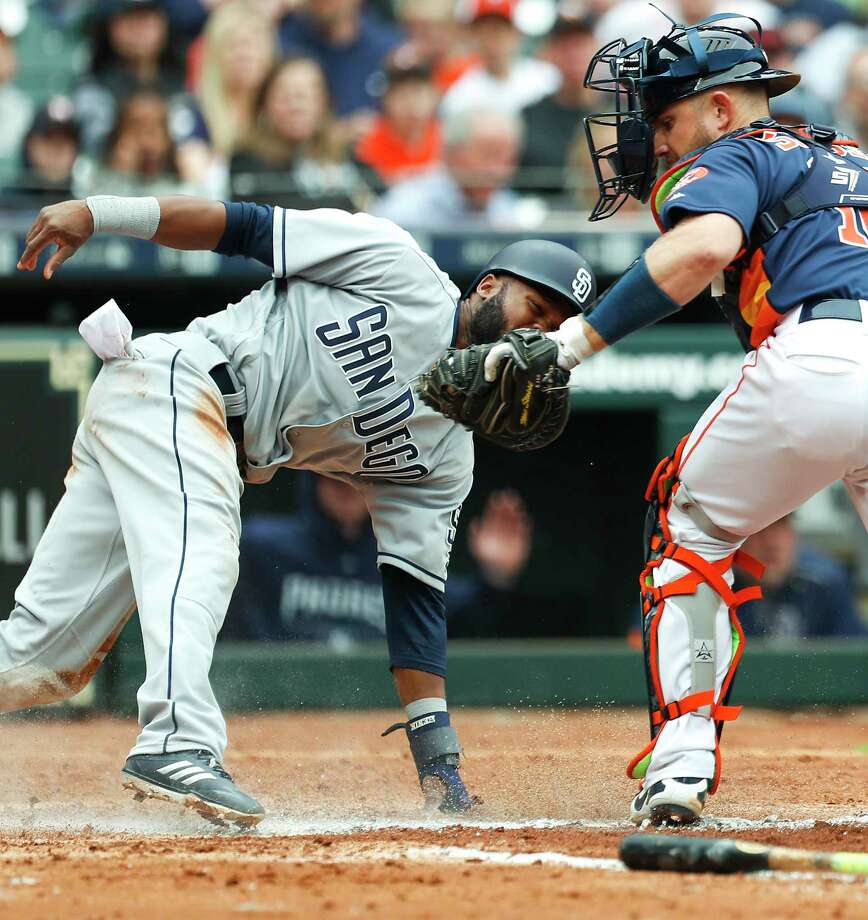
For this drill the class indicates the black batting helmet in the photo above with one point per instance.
(556, 269)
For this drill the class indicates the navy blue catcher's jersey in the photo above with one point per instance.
(820, 255)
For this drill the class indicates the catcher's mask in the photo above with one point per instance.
(645, 77)
(557, 270)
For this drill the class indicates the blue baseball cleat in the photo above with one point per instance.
(444, 788)
(435, 749)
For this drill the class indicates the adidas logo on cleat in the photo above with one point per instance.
(185, 772)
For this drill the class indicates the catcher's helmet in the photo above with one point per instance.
(554, 268)
(645, 77)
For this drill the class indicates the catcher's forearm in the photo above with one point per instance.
(633, 302)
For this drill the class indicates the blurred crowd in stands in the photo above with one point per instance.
(431, 112)
(312, 575)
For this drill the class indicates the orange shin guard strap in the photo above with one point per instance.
(752, 593)
(678, 708)
(710, 572)
(752, 566)
(726, 713)
(692, 703)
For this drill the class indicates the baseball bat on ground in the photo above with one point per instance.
(713, 854)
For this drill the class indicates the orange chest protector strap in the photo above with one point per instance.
(700, 590)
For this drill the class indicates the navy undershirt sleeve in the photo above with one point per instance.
(248, 232)
(415, 622)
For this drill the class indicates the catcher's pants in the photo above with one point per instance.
(150, 518)
(794, 421)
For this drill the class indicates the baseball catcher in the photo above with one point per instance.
(788, 255)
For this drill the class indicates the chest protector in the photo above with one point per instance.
(833, 180)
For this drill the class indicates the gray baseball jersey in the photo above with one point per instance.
(329, 352)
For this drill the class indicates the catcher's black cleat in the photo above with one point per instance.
(195, 779)
(674, 801)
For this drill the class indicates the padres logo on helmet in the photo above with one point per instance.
(582, 285)
(558, 270)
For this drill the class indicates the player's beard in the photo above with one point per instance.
(488, 323)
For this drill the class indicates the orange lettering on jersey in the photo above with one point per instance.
(781, 141)
(850, 232)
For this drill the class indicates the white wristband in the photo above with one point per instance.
(139, 217)
(573, 344)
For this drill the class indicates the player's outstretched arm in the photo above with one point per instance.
(178, 221)
(671, 272)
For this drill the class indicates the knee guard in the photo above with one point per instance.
(700, 591)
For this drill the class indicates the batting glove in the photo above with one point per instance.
(573, 347)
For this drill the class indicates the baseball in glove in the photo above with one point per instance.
(527, 405)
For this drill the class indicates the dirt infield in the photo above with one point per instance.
(345, 835)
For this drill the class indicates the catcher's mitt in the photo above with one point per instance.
(525, 408)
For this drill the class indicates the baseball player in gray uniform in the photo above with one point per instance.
(315, 370)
